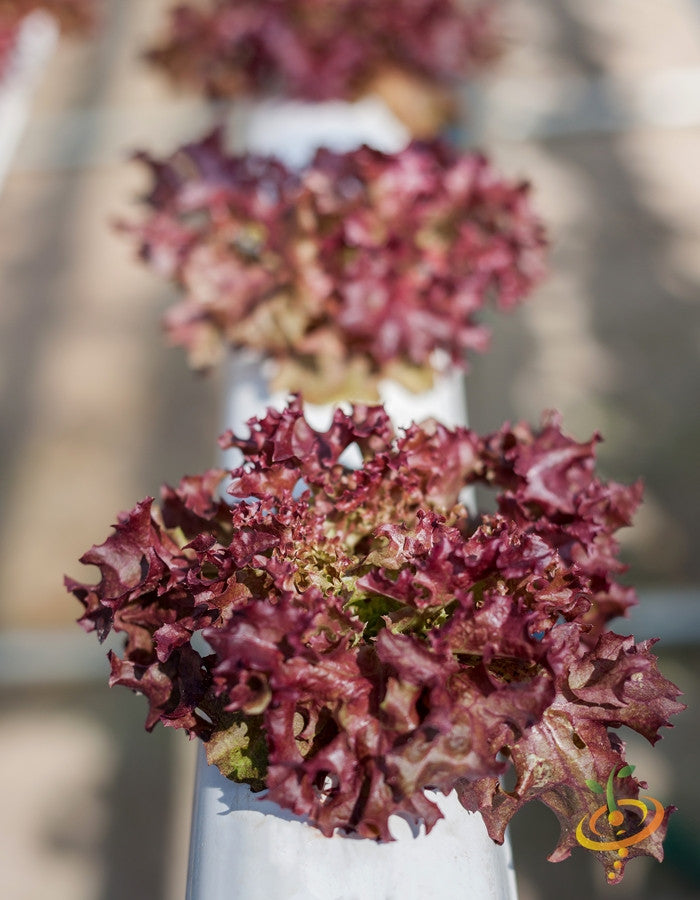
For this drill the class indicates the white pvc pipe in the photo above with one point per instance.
(246, 395)
(244, 848)
(293, 130)
(36, 40)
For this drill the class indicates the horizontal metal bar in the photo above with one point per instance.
(35, 657)
(673, 615)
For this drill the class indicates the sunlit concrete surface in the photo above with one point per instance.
(598, 104)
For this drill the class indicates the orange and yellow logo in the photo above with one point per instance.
(646, 820)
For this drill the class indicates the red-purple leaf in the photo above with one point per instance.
(369, 640)
(363, 266)
(321, 50)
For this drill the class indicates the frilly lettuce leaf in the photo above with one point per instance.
(361, 267)
(366, 639)
(321, 50)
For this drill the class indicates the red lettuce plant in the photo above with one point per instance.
(327, 49)
(358, 268)
(368, 638)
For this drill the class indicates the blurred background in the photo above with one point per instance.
(598, 104)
